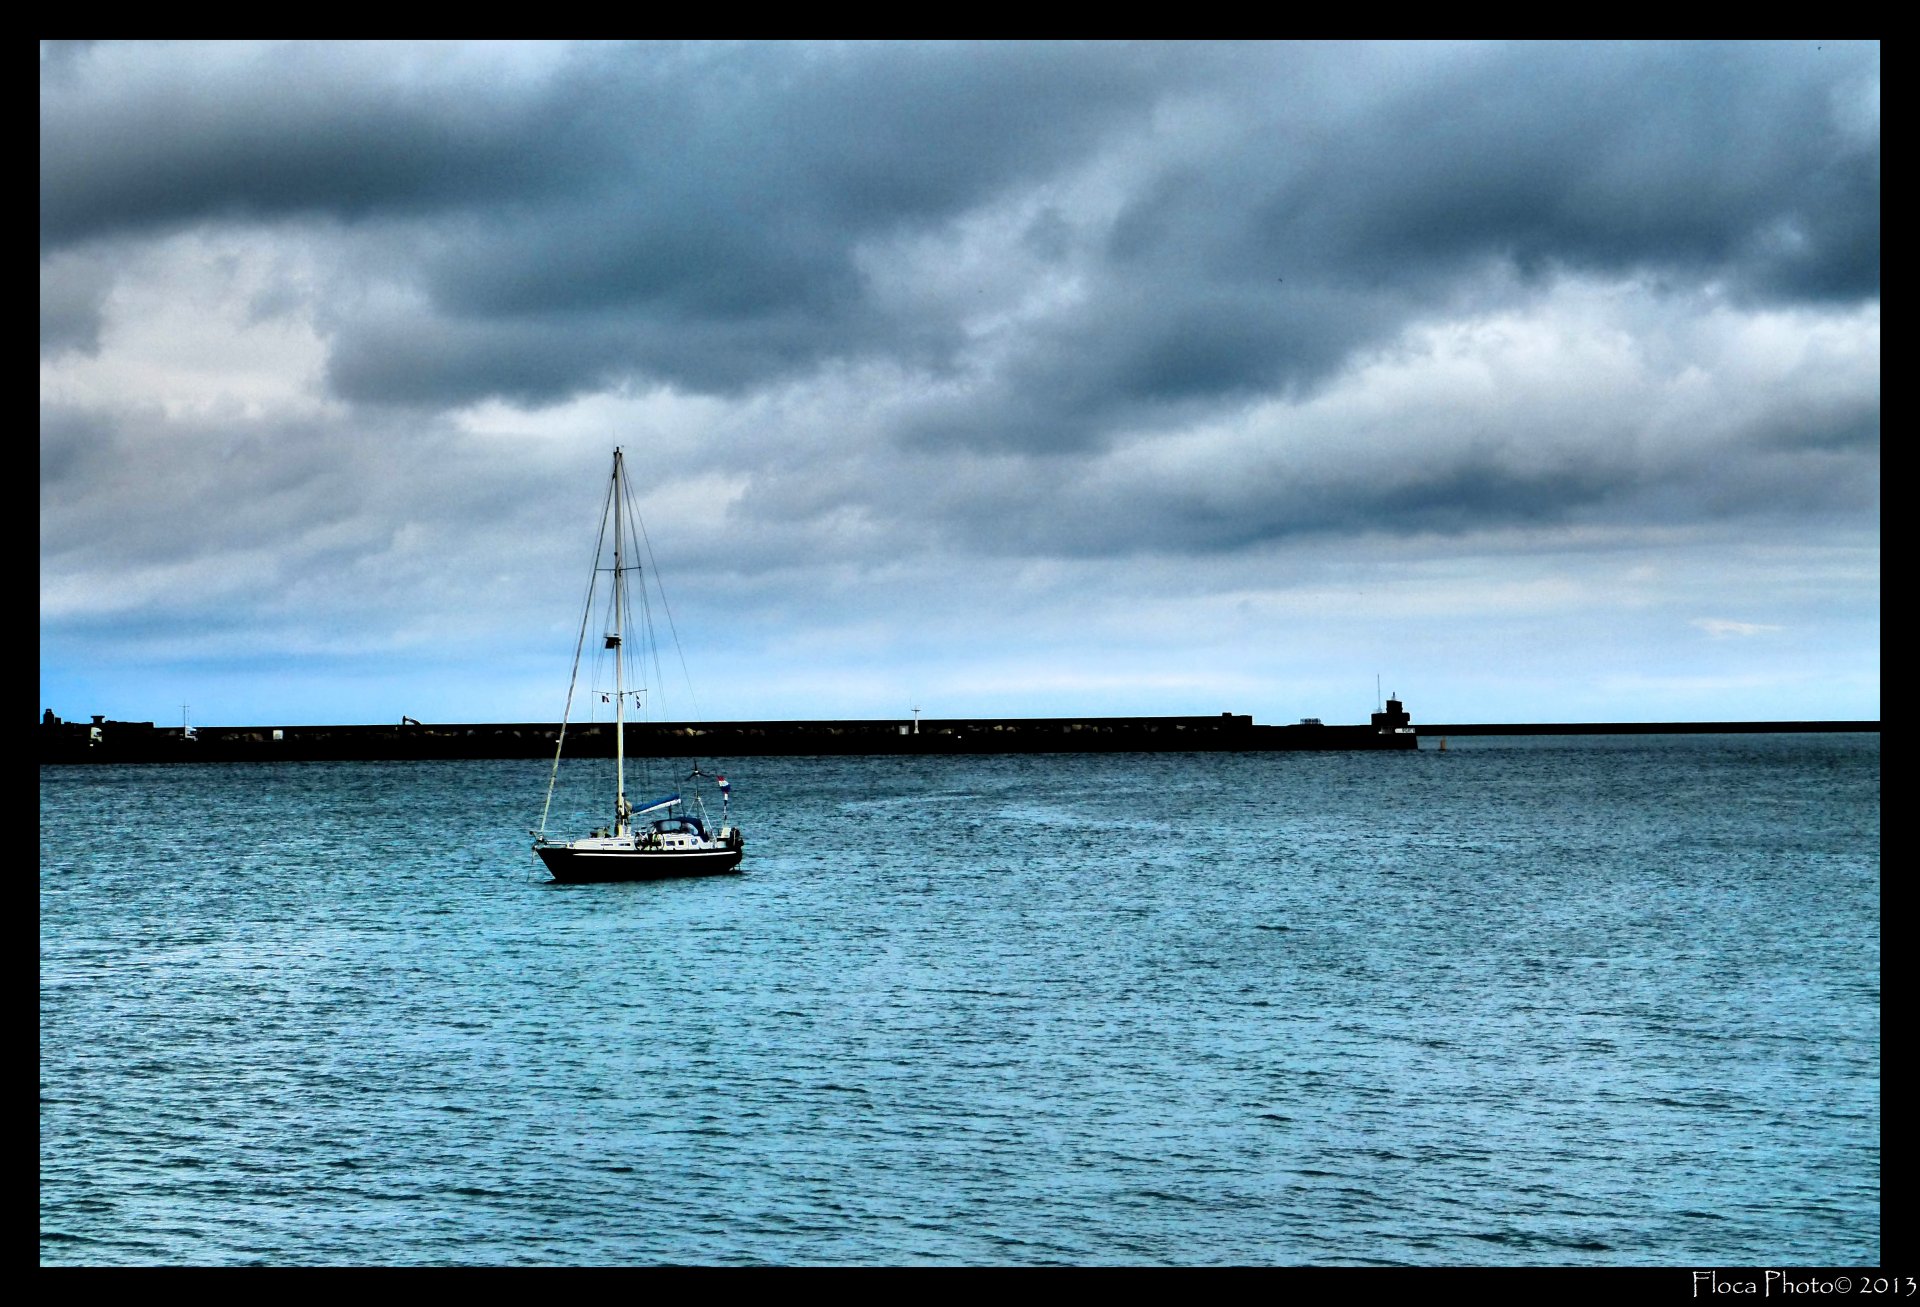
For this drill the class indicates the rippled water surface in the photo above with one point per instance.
(1558, 1001)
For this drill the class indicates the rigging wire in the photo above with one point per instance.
(650, 632)
(643, 702)
(673, 631)
(579, 644)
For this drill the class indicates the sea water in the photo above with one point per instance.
(1595, 1001)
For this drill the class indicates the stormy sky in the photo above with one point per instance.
(1538, 381)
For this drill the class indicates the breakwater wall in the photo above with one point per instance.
(104, 741)
(1644, 728)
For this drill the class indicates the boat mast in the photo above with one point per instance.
(619, 658)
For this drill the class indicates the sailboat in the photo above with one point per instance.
(669, 836)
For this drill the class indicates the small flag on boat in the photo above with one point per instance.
(724, 787)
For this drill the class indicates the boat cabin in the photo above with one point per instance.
(679, 832)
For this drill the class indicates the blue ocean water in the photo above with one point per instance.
(1600, 1001)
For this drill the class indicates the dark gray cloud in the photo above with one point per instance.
(317, 317)
(714, 190)
(1269, 260)
(72, 294)
(694, 215)
(134, 139)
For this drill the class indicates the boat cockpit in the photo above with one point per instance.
(679, 825)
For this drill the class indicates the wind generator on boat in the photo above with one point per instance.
(669, 836)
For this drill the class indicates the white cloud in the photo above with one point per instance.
(213, 323)
(1720, 628)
